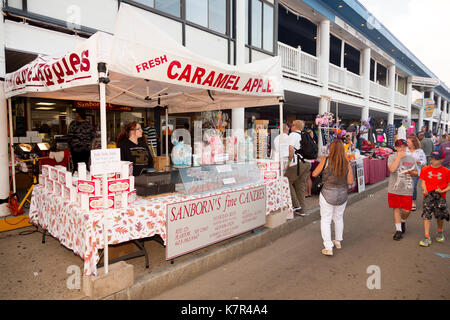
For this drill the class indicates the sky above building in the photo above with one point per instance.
(423, 26)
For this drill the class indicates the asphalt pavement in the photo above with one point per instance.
(370, 265)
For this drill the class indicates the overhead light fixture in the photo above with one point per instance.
(44, 108)
(340, 6)
(362, 24)
(45, 103)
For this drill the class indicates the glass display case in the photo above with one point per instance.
(216, 178)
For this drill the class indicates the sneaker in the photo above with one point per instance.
(397, 235)
(440, 237)
(426, 242)
(297, 208)
(403, 227)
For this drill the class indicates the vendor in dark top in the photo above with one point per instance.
(133, 147)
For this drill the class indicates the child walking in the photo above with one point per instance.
(400, 188)
(435, 184)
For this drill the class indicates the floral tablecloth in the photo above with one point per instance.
(82, 231)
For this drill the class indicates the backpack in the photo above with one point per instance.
(308, 149)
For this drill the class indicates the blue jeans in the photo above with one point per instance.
(415, 181)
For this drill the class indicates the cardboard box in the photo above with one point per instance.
(46, 170)
(127, 170)
(49, 185)
(132, 196)
(119, 186)
(54, 174)
(58, 189)
(275, 219)
(41, 180)
(65, 178)
(70, 194)
(271, 175)
(32, 134)
(82, 171)
(96, 202)
(159, 163)
(15, 139)
(24, 140)
(87, 187)
(36, 139)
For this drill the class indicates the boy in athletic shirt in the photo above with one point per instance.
(435, 184)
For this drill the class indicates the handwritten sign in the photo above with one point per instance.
(104, 161)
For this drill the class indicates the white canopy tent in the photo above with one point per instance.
(141, 66)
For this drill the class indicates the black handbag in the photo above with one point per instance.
(318, 181)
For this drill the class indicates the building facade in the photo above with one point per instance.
(335, 57)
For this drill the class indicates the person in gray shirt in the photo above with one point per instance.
(400, 188)
(427, 145)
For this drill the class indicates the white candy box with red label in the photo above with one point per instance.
(119, 186)
(88, 187)
(97, 202)
(54, 173)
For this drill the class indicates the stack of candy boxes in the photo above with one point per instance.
(87, 190)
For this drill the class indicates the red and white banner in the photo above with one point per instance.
(144, 51)
(192, 225)
(75, 68)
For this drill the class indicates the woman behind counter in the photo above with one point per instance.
(133, 147)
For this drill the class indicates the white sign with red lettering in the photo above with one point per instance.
(145, 51)
(76, 68)
(194, 224)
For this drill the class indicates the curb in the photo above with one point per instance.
(155, 283)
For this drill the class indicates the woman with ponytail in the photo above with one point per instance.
(133, 147)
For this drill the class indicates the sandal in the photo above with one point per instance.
(327, 252)
(413, 208)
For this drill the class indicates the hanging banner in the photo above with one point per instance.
(77, 67)
(192, 225)
(429, 107)
(145, 51)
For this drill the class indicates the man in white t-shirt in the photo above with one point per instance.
(297, 182)
(284, 146)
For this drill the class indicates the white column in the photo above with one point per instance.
(365, 82)
(446, 114)
(430, 127)
(238, 115)
(409, 98)
(324, 54)
(392, 90)
(421, 115)
(4, 155)
(440, 114)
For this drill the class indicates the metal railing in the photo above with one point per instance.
(297, 64)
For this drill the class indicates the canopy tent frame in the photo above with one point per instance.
(29, 81)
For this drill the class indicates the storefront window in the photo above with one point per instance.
(168, 6)
(381, 75)
(211, 14)
(218, 15)
(50, 117)
(256, 23)
(335, 50)
(351, 59)
(268, 28)
(197, 11)
(401, 85)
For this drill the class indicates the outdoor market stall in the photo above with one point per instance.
(143, 67)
